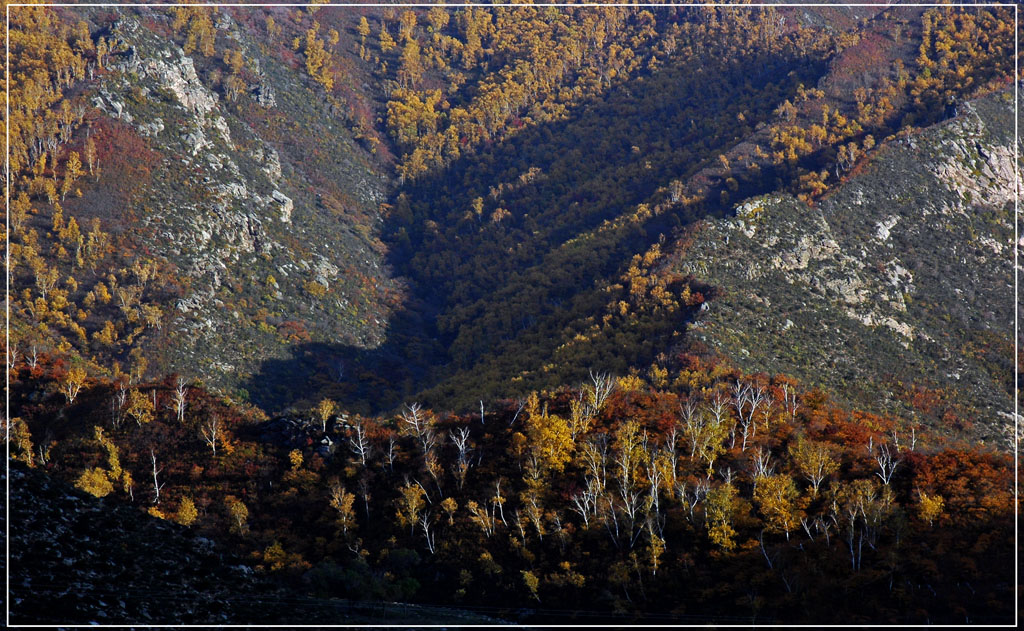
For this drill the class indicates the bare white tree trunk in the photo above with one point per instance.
(210, 431)
(12, 356)
(180, 393)
(887, 463)
(156, 482)
(762, 464)
(360, 444)
(602, 386)
(117, 403)
(428, 532)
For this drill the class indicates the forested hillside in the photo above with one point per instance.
(547, 314)
(723, 496)
(165, 193)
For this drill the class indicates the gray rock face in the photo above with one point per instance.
(112, 105)
(271, 161)
(179, 76)
(980, 172)
(286, 205)
(265, 95)
(883, 228)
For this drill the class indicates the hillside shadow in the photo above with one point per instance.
(477, 288)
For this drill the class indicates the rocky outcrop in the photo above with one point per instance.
(300, 433)
(264, 94)
(980, 172)
(177, 73)
(286, 205)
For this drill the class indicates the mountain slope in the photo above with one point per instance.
(236, 210)
(281, 236)
(895, 291)
(238, 221)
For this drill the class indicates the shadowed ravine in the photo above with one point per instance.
(486, 301)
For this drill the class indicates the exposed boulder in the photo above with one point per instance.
(286, 205)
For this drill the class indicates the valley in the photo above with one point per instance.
(523, 314)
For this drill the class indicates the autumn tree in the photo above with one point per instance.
(200, 33)
(410, 67)
(655, 548)
(776, 496)
(450, 505)
(102, 49)
(719, 508)
(95, 481)
(363, 29)
(238, 512)
(814, 461)
(20, 440)
(406, 24)
(324, 411)
(929, 507)
(342, 501)
(20, 210)
(318, 60)
(72, 382)
(140, 407)
(410, 502)
(385, 39)
(549, 436)
(90, 155)
(438, 18)
(187, 512)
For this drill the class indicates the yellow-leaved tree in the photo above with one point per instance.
(95, 481)
(187, 512)
(719, 507)
(342, 501)
(324, 411)
(410, 502)
(238, 511)
(776, 495)
(929, 507)
(814, 460)
(73, 381)
(549, 437)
